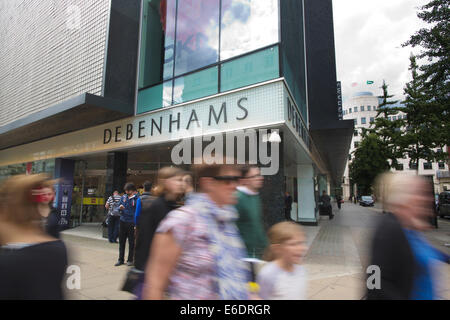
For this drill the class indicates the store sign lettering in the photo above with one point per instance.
(171, 123)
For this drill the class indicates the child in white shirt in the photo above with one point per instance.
(284, 278)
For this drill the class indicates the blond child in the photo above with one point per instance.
(283, 278)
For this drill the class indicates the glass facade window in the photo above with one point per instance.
(356, 144)
(355, 133)
(155, 97)
(394, 118)
(399, 167)
(254, 68)
(196, 85)
(355, 121)
(349, 157)
(197, 35)
(362, 108)
(157, 42)
(441, 165)
(350, 110)
(363, 120)
(185, 43)
(427, 166)
(369, 108)
(372, 119)
(241, 22)
(355, 109)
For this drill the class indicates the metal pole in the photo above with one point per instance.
(82, 189)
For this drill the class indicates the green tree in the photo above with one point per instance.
(370, 159)
(435, 74)
(387, 130)
(422, 131)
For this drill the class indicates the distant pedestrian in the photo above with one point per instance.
(112, 205)
(284, 278)
(249, 208)
(287, 206)
(50, 215)
(126, 229)
(197, 252)
(32, 263)
(339, 201)
(325, 201)
(405, 259)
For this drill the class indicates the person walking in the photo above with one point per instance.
(326, 204)
(168, 190)
(188, 185)
(197, 252)
(32, 263)
(287, 206)
(339, 201)
(112, 205)
(50, 215)
(284, 278)
(399, 249)
(126, 228)
(249, 208)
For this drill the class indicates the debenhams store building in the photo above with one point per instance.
(98, 93)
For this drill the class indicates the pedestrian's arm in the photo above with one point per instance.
(138, 211)
(164, 255)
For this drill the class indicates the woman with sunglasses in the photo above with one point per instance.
(197, 251)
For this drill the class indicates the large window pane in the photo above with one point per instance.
(158, 38)
(248, 25)
(254, 68)
(196, 85)
(197, 34)
(155, 97)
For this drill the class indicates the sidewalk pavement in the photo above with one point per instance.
(338, 251)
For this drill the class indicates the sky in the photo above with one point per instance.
(368, 37)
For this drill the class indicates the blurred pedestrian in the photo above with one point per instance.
(249, 208)
(339, 201)
(112, 205)
(197, 251)
(188, 185)
(32, 263)
(126, 229)
(284, 278)
(167, 191)
(325, 201)
(50, 215)
(405, 258)
(287, 206)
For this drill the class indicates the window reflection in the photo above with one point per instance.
(155, 97)
(158, 38)
(197, 85)
(247, 25)
(197, 35)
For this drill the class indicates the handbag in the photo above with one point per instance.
(132, 279)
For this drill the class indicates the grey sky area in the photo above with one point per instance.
(368, 38)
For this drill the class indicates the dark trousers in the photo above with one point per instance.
(113, 228)
(126, 230)
(287, 214)
(339, 204)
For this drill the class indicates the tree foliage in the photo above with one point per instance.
(370, 159)
(434, 76)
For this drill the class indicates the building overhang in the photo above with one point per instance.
(333, 144)
(80, 112)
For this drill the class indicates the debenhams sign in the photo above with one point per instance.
(163, 124)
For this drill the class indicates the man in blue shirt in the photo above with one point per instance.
(126, 229)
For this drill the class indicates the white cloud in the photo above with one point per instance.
(368, 38)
